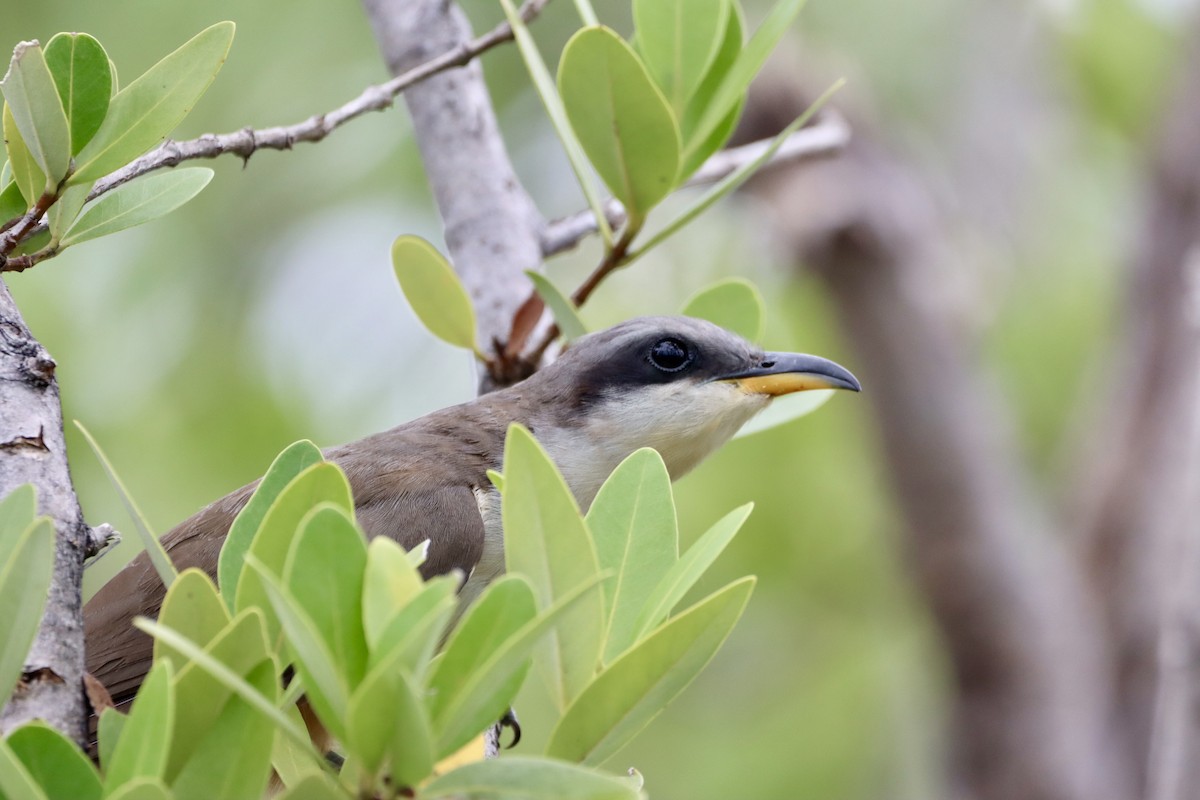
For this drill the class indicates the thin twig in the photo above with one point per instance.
(374, 98)
(827, 137)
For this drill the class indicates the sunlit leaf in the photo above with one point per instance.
(621, 118)
(523, 778)
(25, 573)
(193, 608)
(37, 111)
(316, 787)
(108, 733)
(412, 635)
(144, 112)
(433, 290)
(294, 459)
(81, 74)
(15, 781)
(141, 789)
(678, 40)
(546, 540)
(137, 202)
(632, 521)
(391, 582)
(565, 312)
(733, 303)
(55, 763)
(637, 686)
(785, 409)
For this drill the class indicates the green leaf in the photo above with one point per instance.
(15, 781)
(66, 209)
(391, 582)
(621, 118)
(154, 549)
(548, 92)
(632, 521)
(144, 112)
(200, 696)
(138, 201)
(28, 175)
(316, 787)
(18, 510)
(232, 680)
(518, 778)
(733, 303)
(108, 733)
(142, 750)
(696, 150)
(411, 637)
(546, 540)
(678, 40)
(37, 111)
(565, 312)
(491, 688)
(324, 572)
(322, 482)
(734, 179)
(785, 409)
(732, 89)
(294, 459)
(81, 74)
(389, 727)
(193, 608)
(231, 760)
(640, 684)
(25, 574)
(291, 762)
(687, 570)
(326, 686)
(55, 763)
(12, 204)
(433, 290)
(142, 789)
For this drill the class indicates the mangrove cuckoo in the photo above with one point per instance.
(682, 386)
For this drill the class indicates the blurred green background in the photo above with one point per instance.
(265, 311)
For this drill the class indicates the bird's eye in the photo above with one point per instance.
(670, 355)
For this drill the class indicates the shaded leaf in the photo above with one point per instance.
(138, 201)
(30, 179)
(316, 787)
(523, 778)
(433, 291)
(565, 312)
(144, 112)
(546, 540)
(294, 459)
(687, 570)
(632, 521)
(678, 40)
(37, 111)
(12, 204)
(389, 727)
(621, 118)
(696, 150)
(25, 574)
(55, 763)
(15, 781)
(637, 686)
(145, 742)
(733, 303)
(81, 74)
(66, 209)
(17, 512)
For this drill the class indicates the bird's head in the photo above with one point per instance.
(683, 386)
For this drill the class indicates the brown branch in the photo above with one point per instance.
(247, 141)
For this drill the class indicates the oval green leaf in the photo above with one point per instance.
(81, 74)
(695, 150)
(144, 112)
(678, 40)
(785, 409)
(15, 781)
(193, 608)
(621, 118)
(55, 763)
(136, 202)
(523, 778)
(145, 742)
(734, 303)
(391, 582)
(433, 291)
(389, 726)
(26, 173)
(25, 575)
(547, 541)
(33, 99)
(632, 521)
(640, 684)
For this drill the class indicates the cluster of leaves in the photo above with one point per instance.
(67, 124)
(375, 650)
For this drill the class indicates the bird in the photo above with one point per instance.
(681, 385)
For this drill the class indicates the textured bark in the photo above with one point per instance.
(1020, 625)
(32, 450)
(492, 227)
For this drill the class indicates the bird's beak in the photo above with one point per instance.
(784, 373)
